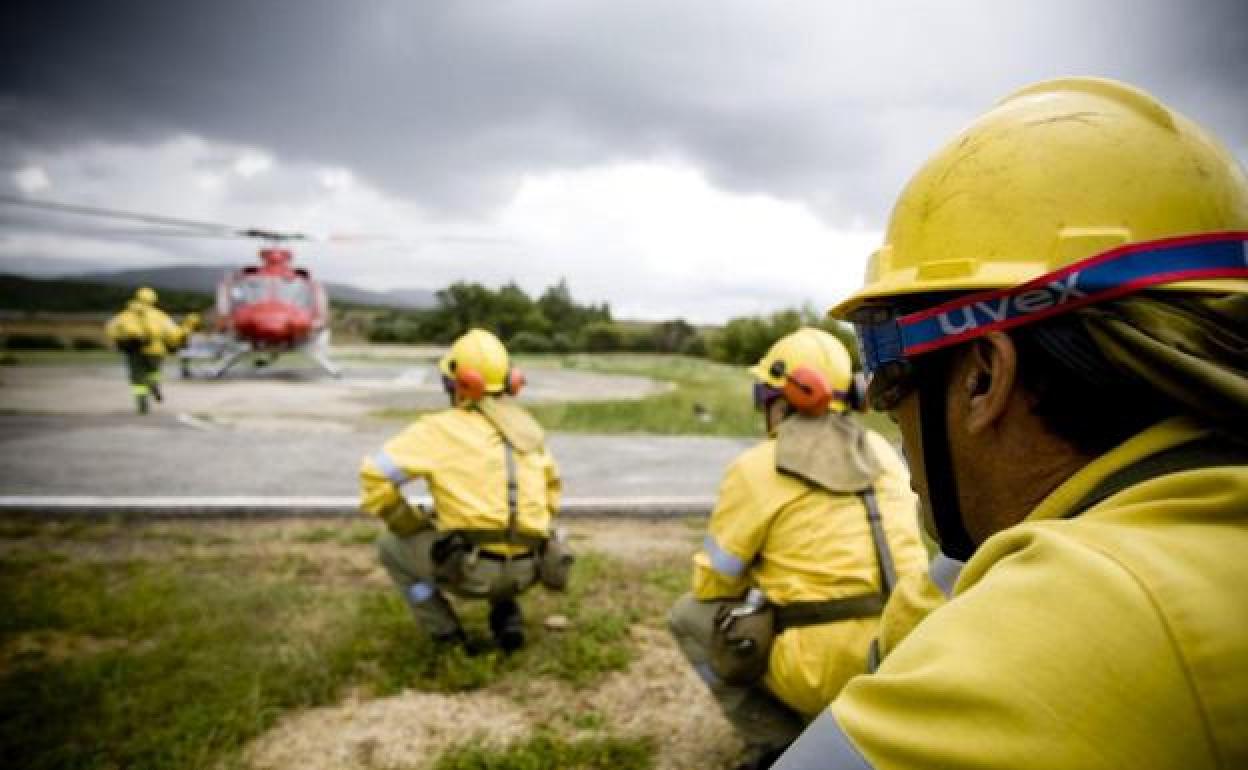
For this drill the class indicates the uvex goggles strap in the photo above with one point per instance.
(885, 338)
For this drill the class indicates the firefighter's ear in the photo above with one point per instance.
(988, 372)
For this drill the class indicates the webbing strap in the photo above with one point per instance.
(813, 613)
(1209, 452)
(499, 537)
(883, 556)
(513, 490)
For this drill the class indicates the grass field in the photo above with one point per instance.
(706, 398)
(282, 645)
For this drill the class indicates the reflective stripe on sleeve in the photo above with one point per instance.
(944, 573)
(722, 561)
(388, 466)
(824, 746)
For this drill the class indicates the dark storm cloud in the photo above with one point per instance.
(448, 103)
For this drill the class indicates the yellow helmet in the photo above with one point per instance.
(477, 364)
(810, 368)
(1068, 192)
(146, 295)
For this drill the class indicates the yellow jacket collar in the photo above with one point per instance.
(1162, 436)
(829, 451)
(511, 420)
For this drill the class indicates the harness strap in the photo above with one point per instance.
(1208, 452)
(513, 489)
(813, 613)
(883, 556)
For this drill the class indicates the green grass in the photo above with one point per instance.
(720, 393)
(180, 656)
(353, 534)
(546, 751)
(197, 663)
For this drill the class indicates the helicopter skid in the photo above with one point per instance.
(214, 355)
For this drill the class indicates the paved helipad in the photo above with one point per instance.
(69, 430)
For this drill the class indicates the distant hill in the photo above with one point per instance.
(56, 295)
(204, 279)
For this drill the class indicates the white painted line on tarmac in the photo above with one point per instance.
(192, 421)
(232, 506)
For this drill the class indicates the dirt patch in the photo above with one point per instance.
(639, 543)
(658, 697)
(404, 731)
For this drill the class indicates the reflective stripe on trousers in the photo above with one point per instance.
(823, 746)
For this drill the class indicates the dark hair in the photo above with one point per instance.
(1081, 396)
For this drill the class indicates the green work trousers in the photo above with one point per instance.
(761, 719)
(409, 562)
(143, 370)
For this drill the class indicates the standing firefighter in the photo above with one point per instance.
(145, 335)
(812, 528)
(495, 489)
(1058, 322)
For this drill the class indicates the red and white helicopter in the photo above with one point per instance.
(262, 311)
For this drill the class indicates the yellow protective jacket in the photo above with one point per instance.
(460, 454)
(149, 325)
(799, 542)
(1114, 639)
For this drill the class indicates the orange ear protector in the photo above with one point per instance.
(809, 392)
(515, 381)
(470, 384)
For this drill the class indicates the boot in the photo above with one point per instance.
(507, 624)
(458, 640)
(141, 403)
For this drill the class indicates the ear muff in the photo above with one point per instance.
(515, 381)
(807, 391)
(469, 384)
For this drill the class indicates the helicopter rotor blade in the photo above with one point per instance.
(94, 211)
(205, 229)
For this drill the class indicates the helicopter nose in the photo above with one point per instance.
(272, 327)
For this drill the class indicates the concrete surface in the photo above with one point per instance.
(69, 430)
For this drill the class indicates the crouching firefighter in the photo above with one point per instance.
(145, 335)
(495, 489)
(810, 532)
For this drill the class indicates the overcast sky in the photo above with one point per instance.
(697, 159)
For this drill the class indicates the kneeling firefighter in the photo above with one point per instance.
(145, 335)
(811, 530)
(495, 489)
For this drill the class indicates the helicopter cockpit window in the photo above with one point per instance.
(295, 291)
(249, 290)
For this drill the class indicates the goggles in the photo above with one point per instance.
(888, 341)
(764, 394)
